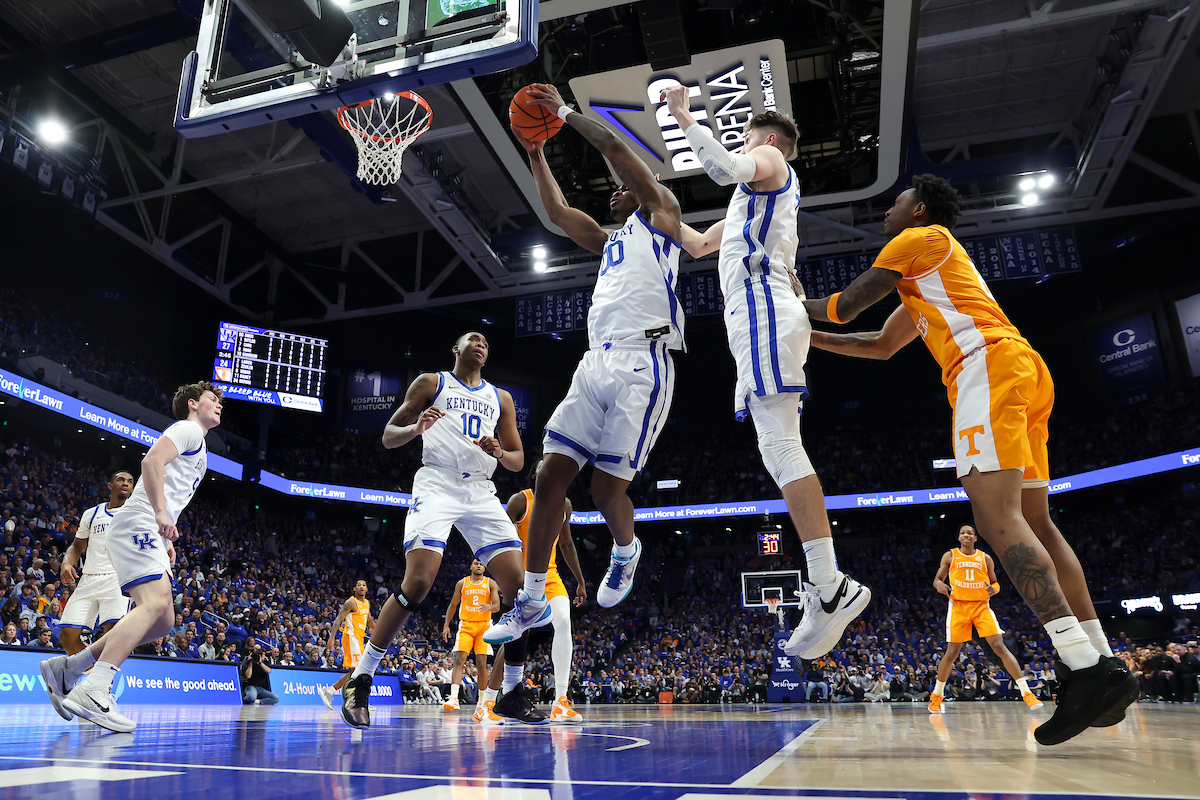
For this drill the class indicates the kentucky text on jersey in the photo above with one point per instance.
(455, 403)
(471, 413)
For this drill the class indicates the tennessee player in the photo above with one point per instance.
(972, 577)
(354, 620)
(476, 597)
(1002, 394)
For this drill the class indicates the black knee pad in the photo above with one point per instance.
(408, 605)
(516, 650)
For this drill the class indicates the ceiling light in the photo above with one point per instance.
(539, 253)
(1046, 181)
(1026, 184)
(539, 266)
(1030, 199)
(389, 96)
(52, 132)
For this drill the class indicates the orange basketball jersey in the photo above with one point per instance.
(355, 626)
(523, 530)
(968, 576)
(476, 603)
(945, 295)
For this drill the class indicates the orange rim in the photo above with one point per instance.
(345, 122)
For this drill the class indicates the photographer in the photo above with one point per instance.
(256, 680)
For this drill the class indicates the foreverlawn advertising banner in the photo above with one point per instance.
(371, 398)
(1129, 356)
(1188, 310)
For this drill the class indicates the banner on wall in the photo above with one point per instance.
(1188, 310)
(786, 684)
(1129, 356)
(523, 403)
(372, 397)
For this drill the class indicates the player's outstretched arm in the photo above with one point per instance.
(939, 580)
(865, 291)
(515, 508)
(346, 609)
(454, 601)
(698, 245)
(581, 228)
(724, 167)
(882, 344)
(507, 449)
(414, 416)
(566, 546)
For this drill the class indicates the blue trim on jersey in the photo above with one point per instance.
(427, 542)
(193, 452)
(609, 459)
(774, 343)
(574, 445)
(106, 511)
(482, 383)
(673, 299)
(102, 624)
(515, 543)
(653, 229)
(667, 363)
(137, 581)
(759, 388)
(746, 232)
(73, 625)
(499, 404)
(95, 511)
(441, 385)
(637, 454)
(785, 187)
(762, 232)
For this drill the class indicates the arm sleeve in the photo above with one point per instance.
(188, 436)
(902, 253)
(722, 166)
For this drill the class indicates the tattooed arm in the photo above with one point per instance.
(866, 290)
(881, 344)
(415, 415)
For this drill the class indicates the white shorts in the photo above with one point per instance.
(615, 409)
(442, 500)
(95, 597)
(770, 349)
(138, 553)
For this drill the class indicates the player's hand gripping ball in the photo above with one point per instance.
(533, 122)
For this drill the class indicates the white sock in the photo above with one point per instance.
(490, 694)
(369, 662)
(535, 585)
(624, 550)
(512, 676)
(940, 688)
(1073, 646)
(101, 677)
(80, 661)
(822, 561)
(1023, 685)
(1097, 636)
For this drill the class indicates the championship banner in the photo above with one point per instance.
(372, 397)
(1188, 310)
(727, 87)
(1129, 356)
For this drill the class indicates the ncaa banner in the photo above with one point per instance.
(727, 88)
(371, 398)
(1188, 310)
(1129, 357)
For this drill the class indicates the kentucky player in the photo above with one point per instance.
(769, 332)
(621, 391)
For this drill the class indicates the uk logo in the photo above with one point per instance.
(144, 542)
(783, 663)
(415, 507)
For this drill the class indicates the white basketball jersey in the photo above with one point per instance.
(93, 526)
(634, 296)
(471, 412)
(181, 475)
(758, 247)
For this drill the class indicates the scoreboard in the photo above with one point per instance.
(270, 367)
(770, 543)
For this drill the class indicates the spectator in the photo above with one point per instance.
(256, 679)
(208, 650)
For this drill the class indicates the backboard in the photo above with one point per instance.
(783, 584)
(243, 74)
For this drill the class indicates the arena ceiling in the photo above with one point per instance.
(1104, 95)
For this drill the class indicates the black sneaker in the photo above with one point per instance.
(356, 697)
(517, 705)
(1117, 714)
(1087, 697)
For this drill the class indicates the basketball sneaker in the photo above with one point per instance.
(517, 705)
(526, 613)
(825, 620)
(1031, 700)
(486, 716)
(326, 693)
(619, 578)
(1118, 714)
(356, 701)
(563, 711)
(59, 680)
(450, 705)
(1086, 697)
(97, 706)
(935, 704)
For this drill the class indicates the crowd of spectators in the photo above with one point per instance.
(245, 582)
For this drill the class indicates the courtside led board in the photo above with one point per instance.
(271, 367)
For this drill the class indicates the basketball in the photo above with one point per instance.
(536, 123)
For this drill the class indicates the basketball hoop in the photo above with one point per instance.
(382, 130)
(773, 607)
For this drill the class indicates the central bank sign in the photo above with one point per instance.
(726, 87)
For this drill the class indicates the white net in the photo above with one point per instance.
(773, 608)
(382, 129)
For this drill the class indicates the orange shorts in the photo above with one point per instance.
(963, 615)
(1002, 395)
(470, 637)
(352, 651)
(555, 586)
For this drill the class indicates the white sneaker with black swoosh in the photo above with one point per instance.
(98, 706)
(59, 680)
(825, 620)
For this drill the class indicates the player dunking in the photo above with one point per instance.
(467, 426)
(476, 597)
(621, 391)
(768, 332)
(354, 620)
(972, 580)
(1002, 394)
(139, 544)
(98, 594)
